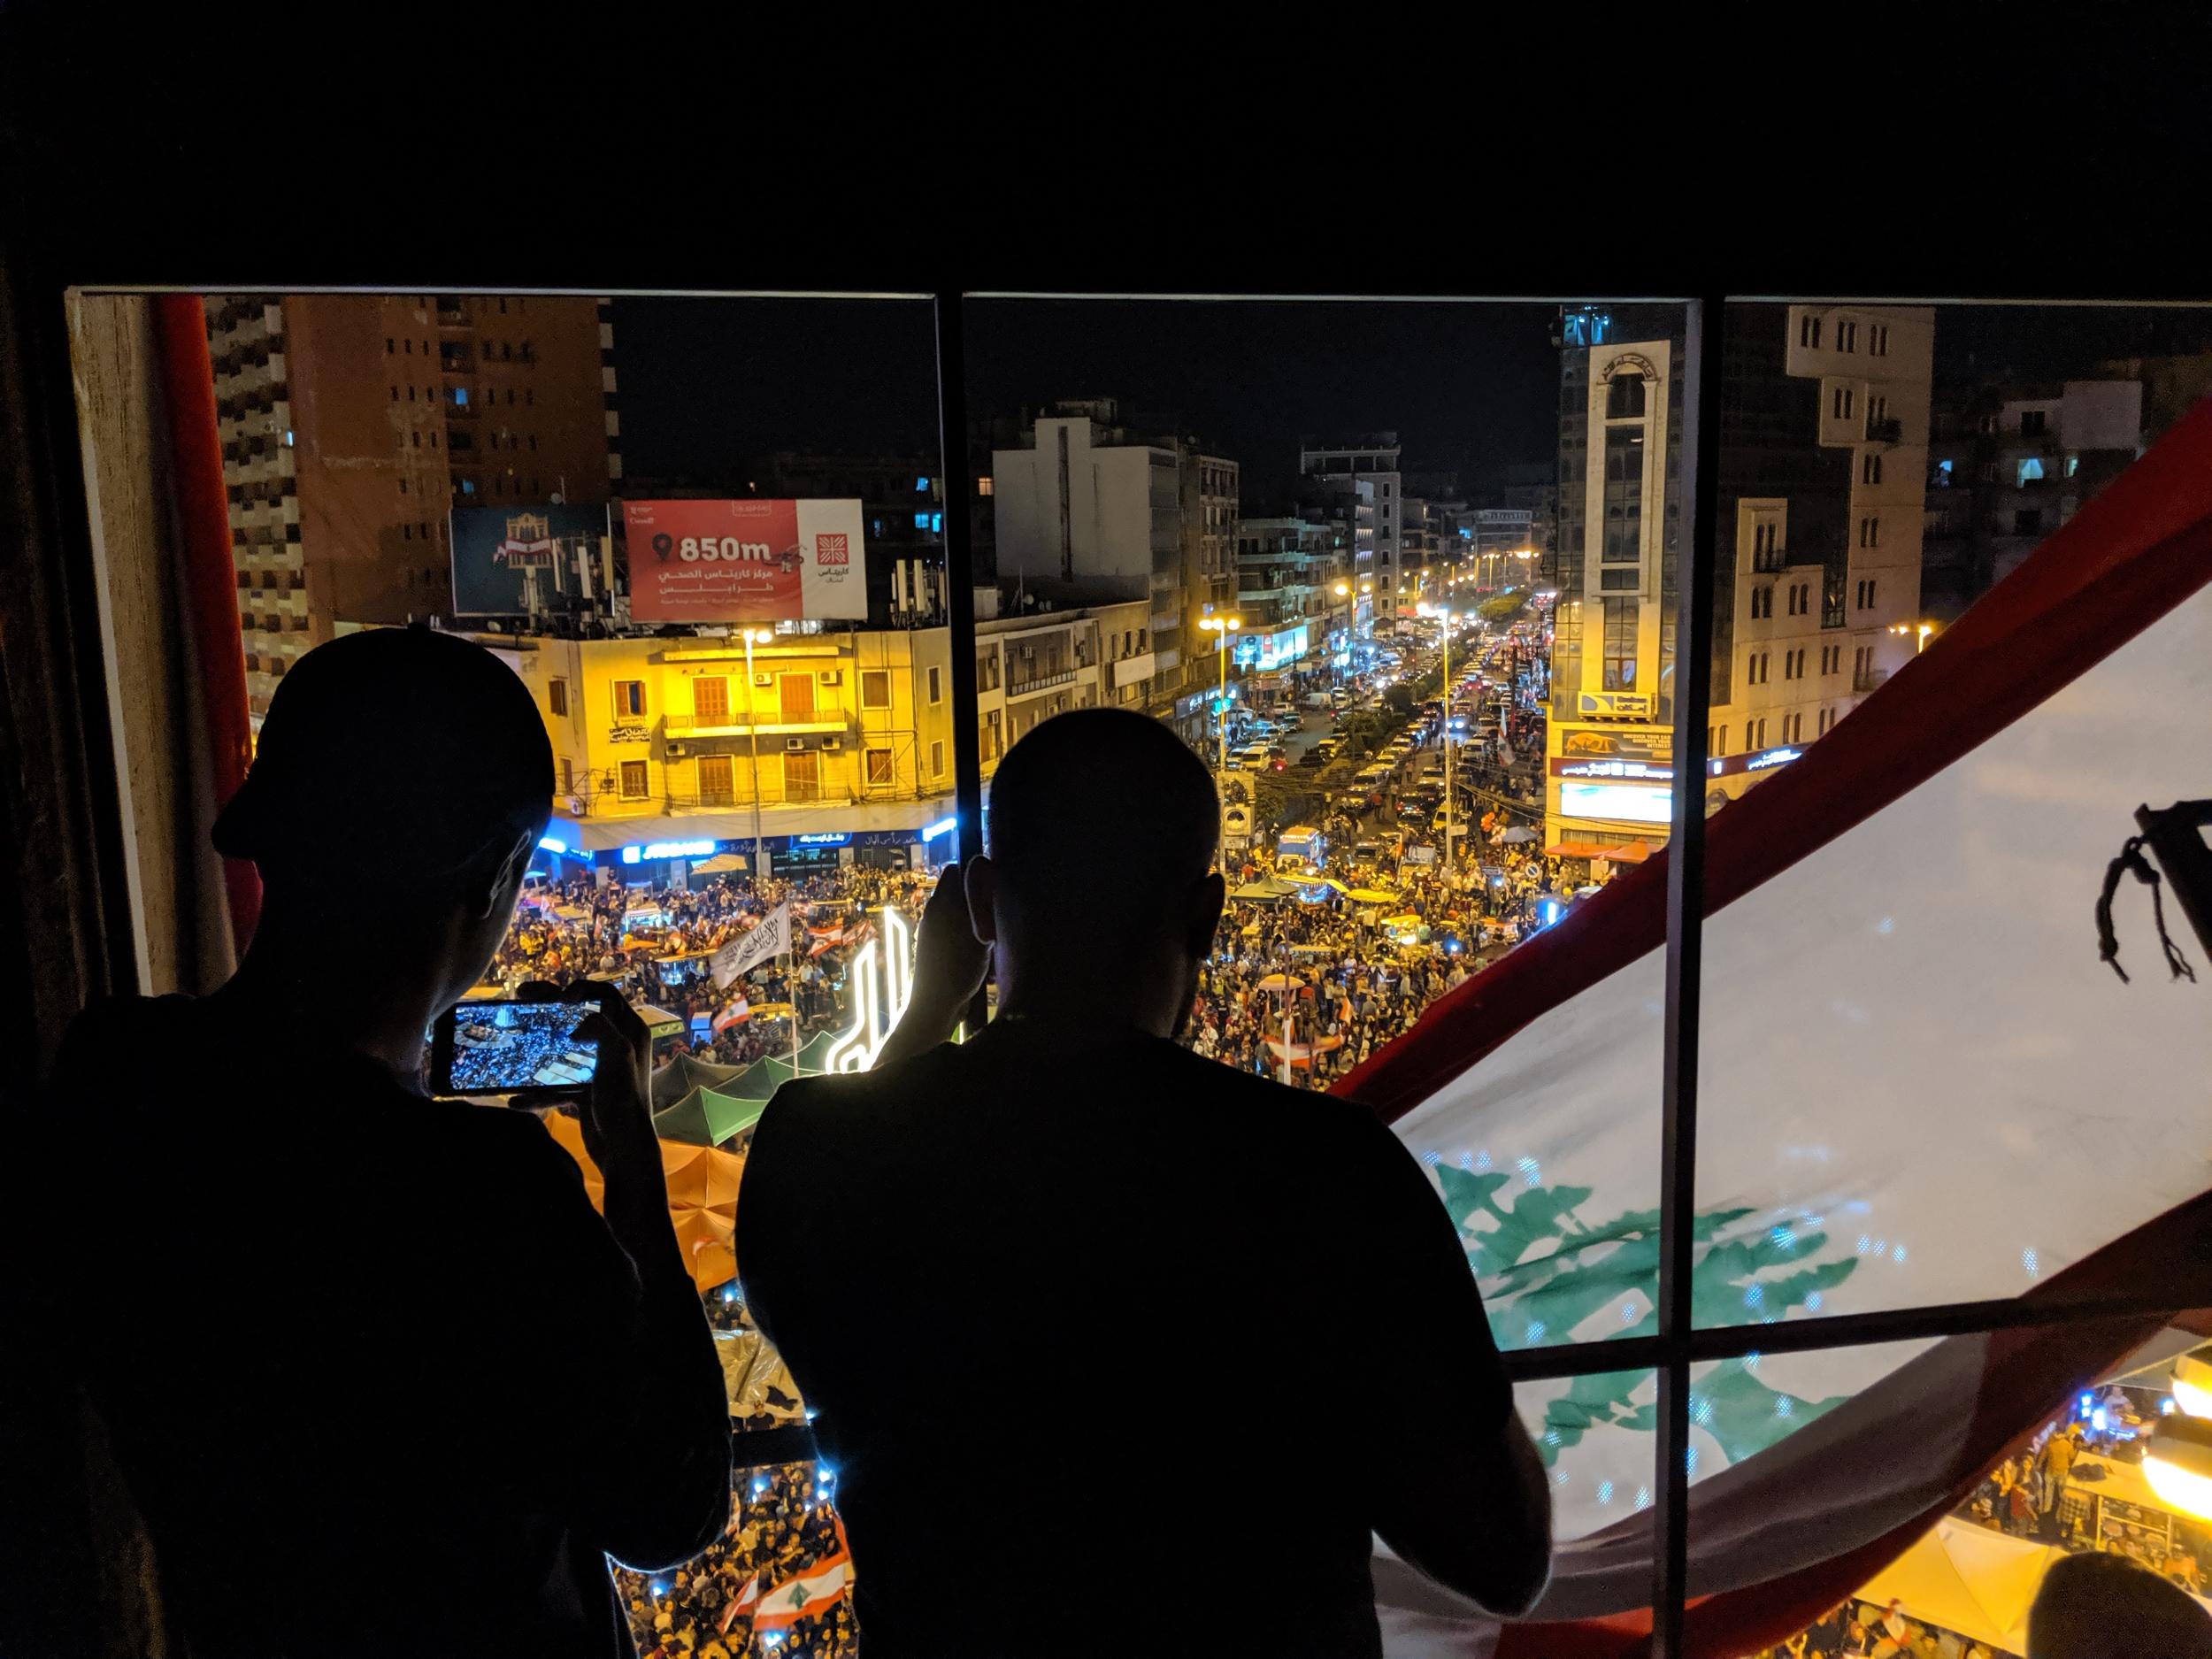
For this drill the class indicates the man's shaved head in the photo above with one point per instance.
(1100, 822)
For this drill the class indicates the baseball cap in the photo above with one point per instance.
(409, 743)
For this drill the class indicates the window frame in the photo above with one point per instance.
(1678, 1342)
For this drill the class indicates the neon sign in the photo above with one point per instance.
(633, 853)
(942, 826)
(823, 838)
(883, 984)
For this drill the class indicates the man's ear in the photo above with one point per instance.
(500, 876)
(1207, 897)
(981, 883)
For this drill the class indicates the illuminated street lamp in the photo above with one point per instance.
(1222, 627)
(1923, 629)
(1443, 613)
(2178, 1463)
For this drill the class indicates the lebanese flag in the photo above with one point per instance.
(1918, 1084)
(737, 1014)
(738, 1602)
(794, 1599)
(1300, 1054)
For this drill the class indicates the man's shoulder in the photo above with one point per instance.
(1289, 1111)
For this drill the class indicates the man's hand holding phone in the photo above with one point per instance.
(615, 1112)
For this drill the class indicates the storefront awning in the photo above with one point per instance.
(592, 835)
(1576, 849)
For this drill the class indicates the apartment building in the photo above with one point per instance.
(1823, 449)
(351, 424)
(696, 743)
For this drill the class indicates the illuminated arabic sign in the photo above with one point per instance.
(1632, 770)
(883, 984)
(668, 850)
(823, 838)
(942, 826)
(1763, 760)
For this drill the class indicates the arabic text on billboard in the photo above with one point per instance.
(745, 561)
(526, 561)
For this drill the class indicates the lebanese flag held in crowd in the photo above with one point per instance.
(737, 1014)
(1918, 1084)
(740, 1602)
(822, 1585)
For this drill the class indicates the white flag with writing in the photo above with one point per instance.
(742, 954)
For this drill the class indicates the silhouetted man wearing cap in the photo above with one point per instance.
(1059, 1291)
(380, 1380)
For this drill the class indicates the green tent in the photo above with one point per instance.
(763, 1078)
(1266, 890)
(707, 1118)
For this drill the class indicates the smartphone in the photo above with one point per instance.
(496, 1048)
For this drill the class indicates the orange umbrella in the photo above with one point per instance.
(702, 1183)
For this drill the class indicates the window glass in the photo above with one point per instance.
(1915, 989)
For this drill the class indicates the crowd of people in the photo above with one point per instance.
(2049, 1493)
(1346, 973)
(657, 943)
(1859, 1630)
(783, 1527)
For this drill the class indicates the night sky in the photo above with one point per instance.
(1467, 387)
(707, 383)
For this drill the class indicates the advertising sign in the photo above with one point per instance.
(527, 561)
(1618, 803)
(1591, 742)
(745, 561)
(1625, 705)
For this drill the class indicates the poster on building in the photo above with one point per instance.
(745, 561)
(530, 561)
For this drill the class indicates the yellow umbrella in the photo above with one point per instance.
(1278, 982)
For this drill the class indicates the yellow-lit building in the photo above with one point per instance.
(831, 748)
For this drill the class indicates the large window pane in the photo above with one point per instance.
(1313, 632)
(1920, 1083)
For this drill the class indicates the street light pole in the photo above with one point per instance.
(752, 724)
(1448, 743)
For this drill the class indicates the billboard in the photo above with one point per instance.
(745, 561)
(529, 561)
(1619, 802)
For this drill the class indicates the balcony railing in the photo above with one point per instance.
(1040, 682)
(1891, 430)
(1869, 680)
(738, 723)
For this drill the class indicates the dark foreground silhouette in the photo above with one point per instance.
(380, 1379)
(1204, 1333)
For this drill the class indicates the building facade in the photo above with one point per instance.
(1292, 616)
(1373, 459)
(351, 424)
(1823, 449)
(665, 743)
(1083, 508)
(2006, 465)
